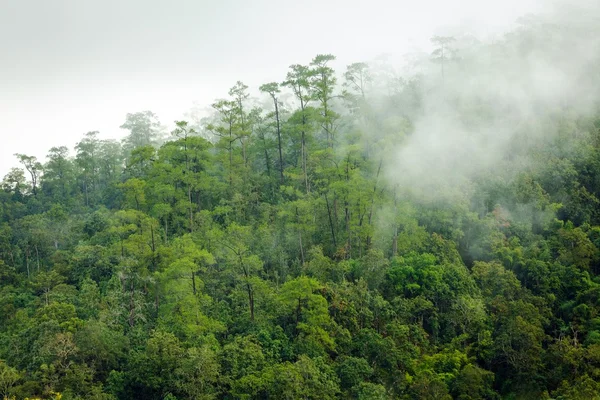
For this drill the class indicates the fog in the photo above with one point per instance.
(70, 67)
(499, 99)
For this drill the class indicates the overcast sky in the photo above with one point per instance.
(72, 66)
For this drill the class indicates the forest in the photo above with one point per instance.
(368, 233)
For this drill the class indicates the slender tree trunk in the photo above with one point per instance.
(348, 233)
(267, 160)
(152, 235)
(230, 154)
(328, 129)
(194, 283)
(301, 248)
(335, 207)
(304, 150)
(300, 236)
(443, 59)
(37, 257)
(279, 139)
(304, 163)
(330, 222)
(373, 200)
(251, 301)
(191, 210)
(248, 289)
(132, 304)
(27, 262)
(395, 238)
(243, 131)
(347, 211)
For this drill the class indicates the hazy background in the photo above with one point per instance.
(500, 101)
(72, 66)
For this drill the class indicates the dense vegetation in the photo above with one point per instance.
(276, 251)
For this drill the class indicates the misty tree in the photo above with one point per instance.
(260, 127)
(443, 51)
(298, 79)
(15, 181)
(323, 82)
(87, 161)
(100, 163)
(226, 129)
(356, 79)
(144, 129)
(110, 161)
(272, 89)
(239, 93)
(186, 160)
(57, 172)
(33, 166)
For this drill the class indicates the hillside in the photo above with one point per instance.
(360, 234)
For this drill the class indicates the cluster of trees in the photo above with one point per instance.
(264, 254)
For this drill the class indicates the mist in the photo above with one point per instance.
(497, 101)
(71, 67)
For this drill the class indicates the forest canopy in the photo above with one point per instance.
(372, 233)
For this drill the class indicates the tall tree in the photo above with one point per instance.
(57, 173)
(34, 167)
(298, 79)
(443, 50)
(87, 160)
(239, 94)
(272, 89)
(323, 82)
(227, 131)
(144, 129)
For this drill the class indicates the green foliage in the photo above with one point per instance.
(266, 253)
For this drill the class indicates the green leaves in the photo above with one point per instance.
(8, 378)
(266, 252)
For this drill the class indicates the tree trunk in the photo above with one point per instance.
(395, 239)
(37, 257)
(373, 200)
(193, 283)
(166, 229)
(27, 262)
(132, 305)
(304, 151)
(152, 235)
(304, 163)
(248, 288)
(191, 211)
(301, 248)
(251, 301)
(279, 139)
(330, 223)
(230, 154)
